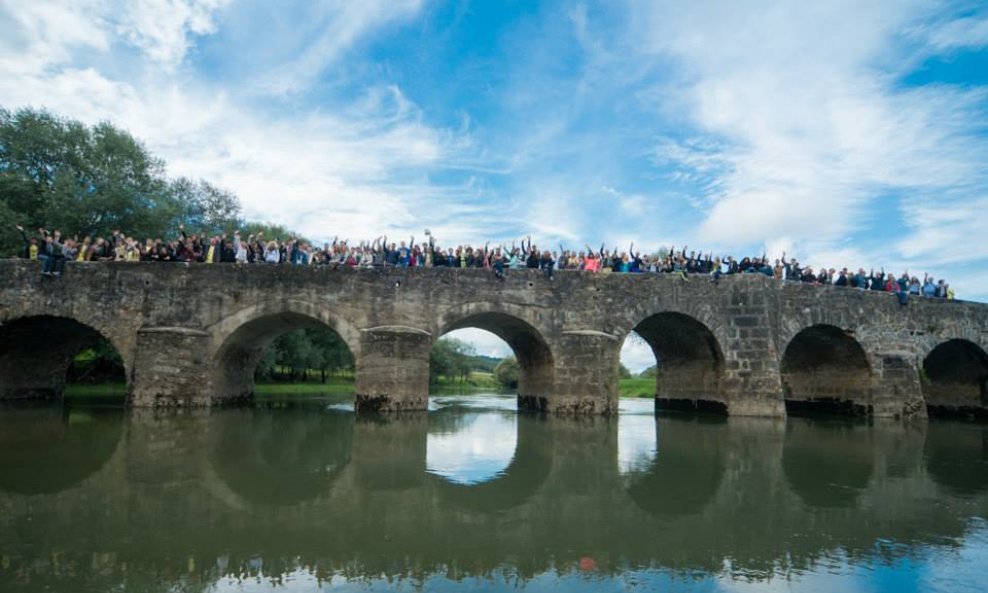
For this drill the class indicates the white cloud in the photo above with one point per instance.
(636, 354)
(776, 124)
(969, 32)
(338, 24)
(161, 28)
(356, 170)
(484, 342)
(801, 126)
(38, 34)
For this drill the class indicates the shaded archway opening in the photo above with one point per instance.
(689, 364)
(41, 355)
(283, 353)
(535, 369)
(825, 371)
(955, 380)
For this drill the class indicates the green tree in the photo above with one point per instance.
(331, 353)
(623, 372)
(506, 373)
(205, 207)
(294, 352)
(59, 173)
(450, 358)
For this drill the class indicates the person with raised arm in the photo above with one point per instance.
(30, 249)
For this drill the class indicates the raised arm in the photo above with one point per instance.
(20, 229)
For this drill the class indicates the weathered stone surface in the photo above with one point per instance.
(191, 335)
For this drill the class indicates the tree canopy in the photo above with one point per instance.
(59, 173)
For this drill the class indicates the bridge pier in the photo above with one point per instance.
(172, 368)
(752, 385)
(393, 369)
(586, 375)
(896, 390)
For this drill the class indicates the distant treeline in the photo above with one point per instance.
(294, 355)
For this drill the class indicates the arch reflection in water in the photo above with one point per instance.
(687, 468)
(48, 450)
(827, 468)
(957, 456)
(486, 459)
(637, 437)
(470, 446)
(284, 458)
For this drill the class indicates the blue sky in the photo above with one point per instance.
(845, 132)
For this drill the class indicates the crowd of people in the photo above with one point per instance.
(54, 250)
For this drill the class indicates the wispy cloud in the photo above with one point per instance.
(736, 125)
(162, 29)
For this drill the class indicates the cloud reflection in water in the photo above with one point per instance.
(468, 446)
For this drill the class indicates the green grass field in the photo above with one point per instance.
(477, 382)
(637, 387)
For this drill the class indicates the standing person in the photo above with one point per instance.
(272, 254)
(532, 262)
(240, 255)
(547, 264)
(30, 249)
(55, 250)
(497, 264)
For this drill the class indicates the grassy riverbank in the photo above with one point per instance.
(477, 382)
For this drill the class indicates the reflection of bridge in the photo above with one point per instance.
(748, 345)
(196, 496)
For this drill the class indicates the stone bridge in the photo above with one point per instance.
(748, 345)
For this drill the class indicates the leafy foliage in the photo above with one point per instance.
(291, 355)
(451, 358)
(623, 372)
(506, 373)
(61, 174)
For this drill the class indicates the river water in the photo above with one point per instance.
(301, 495)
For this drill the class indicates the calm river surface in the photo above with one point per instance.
(303, 496)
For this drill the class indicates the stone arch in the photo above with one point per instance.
(955, 378)
(825, 368)
(239, 341)
(517, 327)
(36, 351)
(690, 361)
